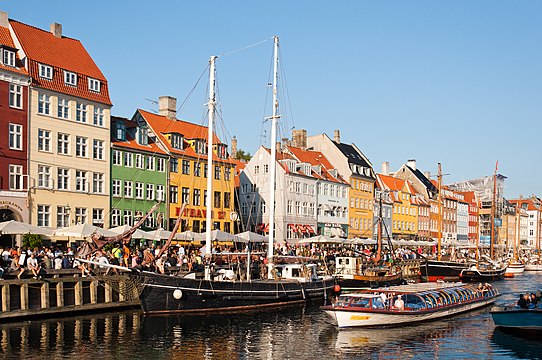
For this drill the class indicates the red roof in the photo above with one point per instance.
(42, 47)
(5, 39)
(393, 184)
(316, 158)
(161, 125)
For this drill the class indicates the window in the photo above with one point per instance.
(115, 217)
(15, 136)
(63, 179)
(62, 216)
(98, 183)
(44, 215)
(244, 209)
(160, 195)
(63, 144)
(81, 146)
(44, 176)
(16, 96)
(262, 207)
(205, 170)
(185, 195)
(227, 199)
(9, 58)
(128, 217)
(98, 116)
(197, 169)
(176, 141)
(80, 215)
(81, 181)
(150, 163)
(128, 189)
(16, 177)
(44, 104)
(46, 71)
(139, 190)
(289, 207)
(217, 172)
(93, 85)
(98, 217)
(139, 161)
(70, 78)
(150, 191)
(186, 167)
(161, 165)
(196, 197)
(227, 173)
(257, 169)
(120, 133)
(128, 159)
(98, 150)
(117, 157)
(173, 165)
(44, 140)
(142, 135)
(63, 109)
(81, 113)
(217, 199)
(115, 189)
(173, 193)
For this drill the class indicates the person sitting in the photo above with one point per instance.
(33, 266)
(399, 304)
(524, 301)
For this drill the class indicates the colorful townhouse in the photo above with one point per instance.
(14, 83)
(186, 145)
(383, 206)
(405, 209)
(139, 174)
(69, 131)
(355, 168)
(473, 216)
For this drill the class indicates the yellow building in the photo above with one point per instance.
(69, 130)
(186, 144)
(405, 208)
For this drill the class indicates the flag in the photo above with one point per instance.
(497, 165)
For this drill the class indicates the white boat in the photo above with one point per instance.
(533, 267)
(408, 304)
(515, 267)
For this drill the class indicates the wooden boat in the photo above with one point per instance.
(437, 270)
(533, 267)
(515, 267)
(351, 272)
(481, 274)
(514, 317)
(422, 302)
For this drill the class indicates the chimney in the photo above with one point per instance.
(234, 147)
(167, 106)
(427, 174)
(56, 30)
(337, 136)
(299, 138)
(4, 22)
(412, 164)
(385, 167)
(278, 146)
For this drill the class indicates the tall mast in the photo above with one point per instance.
(492, 238)
(440, 217)
(518, 227)
(272, 171)
(211, 109)
(379, 231)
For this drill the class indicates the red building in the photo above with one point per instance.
(14, 82)
(474, 216)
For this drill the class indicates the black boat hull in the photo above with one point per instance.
(169, 294)
(472, 275)
(434, 270)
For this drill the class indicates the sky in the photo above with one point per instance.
(455, 82)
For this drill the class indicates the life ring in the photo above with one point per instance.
(177, 294)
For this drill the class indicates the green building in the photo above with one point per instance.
(139, 175)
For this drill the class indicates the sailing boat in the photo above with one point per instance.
(515, 266)
(287, 284)
(440, 270)
(351, 272)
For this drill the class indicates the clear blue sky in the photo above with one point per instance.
(456, 82)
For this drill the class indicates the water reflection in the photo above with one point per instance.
(522, 345)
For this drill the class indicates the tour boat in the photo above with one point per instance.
(514, 317)
(408, 304)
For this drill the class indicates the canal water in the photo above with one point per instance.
(295, 333)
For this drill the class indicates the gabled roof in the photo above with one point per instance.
(161, 126)
(392, 183)
(529, 203)
(316, 158)
(6, 40)
(424, 180)
(42, 47)
(352, 154)
(130, 142)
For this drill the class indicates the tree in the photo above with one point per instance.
(32, 241)
(242, 155)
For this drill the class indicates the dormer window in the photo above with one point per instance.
(94, 85)
(201, 147)
(177, 141)
(120, 131)
(70, 78)
(221, 151)
(46, 71)
(8, 58)
(142, 138)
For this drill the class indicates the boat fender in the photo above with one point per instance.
(337, 289)
(177, 294)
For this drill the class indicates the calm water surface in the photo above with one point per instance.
(296, 333)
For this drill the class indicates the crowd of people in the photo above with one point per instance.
(530, 301)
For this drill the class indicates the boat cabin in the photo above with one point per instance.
(349, 265)
(299, 272)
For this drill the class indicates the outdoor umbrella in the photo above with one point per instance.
(158, 234)
(82, 230)
(321, 239)
(13, 227)
(138, 234)
(186, 236)
(249, 236)
(216, 235)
